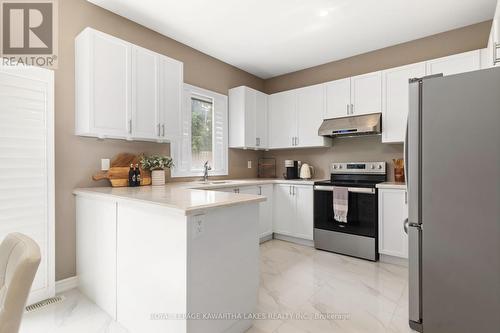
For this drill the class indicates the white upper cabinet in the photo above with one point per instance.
(490, 56)
(395, 100)
(356, 95)
(338, 98)
(366, 93)
(171, 81)
(103, 85)
(145, 91)
(310, 111)
(455, 64)
(295, 117)
(124, 91)
(247, 118)
(282, 119)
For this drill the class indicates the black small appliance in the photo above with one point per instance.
(291, 169)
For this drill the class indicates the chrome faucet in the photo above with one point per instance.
(206, 168)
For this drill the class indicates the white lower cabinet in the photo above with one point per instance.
(266, 207)
(393, 210)
(293, 210)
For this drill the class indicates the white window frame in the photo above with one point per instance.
(181, 147)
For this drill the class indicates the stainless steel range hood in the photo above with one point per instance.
(367, 124)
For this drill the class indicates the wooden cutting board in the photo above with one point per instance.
(118, 172)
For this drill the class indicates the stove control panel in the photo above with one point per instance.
(359, 167)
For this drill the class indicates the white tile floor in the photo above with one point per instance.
(295, 281)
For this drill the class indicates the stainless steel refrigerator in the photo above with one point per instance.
(452, 152)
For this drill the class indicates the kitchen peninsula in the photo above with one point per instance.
(155, 257)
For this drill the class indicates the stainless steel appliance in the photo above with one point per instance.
(359, 236)
(292, 169)
(367, 124)
(453, 165)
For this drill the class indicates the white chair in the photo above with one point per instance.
(19, 260)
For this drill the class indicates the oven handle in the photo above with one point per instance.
(365, 190)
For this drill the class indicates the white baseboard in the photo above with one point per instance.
(300, 241)
(393, 260)
(66, 284)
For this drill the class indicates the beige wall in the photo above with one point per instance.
(370, 148)
(78, 158)
(460, 40)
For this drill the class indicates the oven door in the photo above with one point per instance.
(362, 215)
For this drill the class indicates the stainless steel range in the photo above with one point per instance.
(358, 235)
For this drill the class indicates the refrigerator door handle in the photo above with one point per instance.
(405, 226)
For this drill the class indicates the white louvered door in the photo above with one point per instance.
(27, 164)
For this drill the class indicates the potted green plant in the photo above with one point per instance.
(157, 165)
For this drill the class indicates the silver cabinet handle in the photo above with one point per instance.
(260, 190)
(290, 190)
(293, 190)
(296, 140)
(347, 109)
(162, 129)
(130, 126)
(405, 226)
(352, 108)
(158, 126)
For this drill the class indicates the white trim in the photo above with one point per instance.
(66, 284)
(181, 148)
(388, 259)
(296, 240)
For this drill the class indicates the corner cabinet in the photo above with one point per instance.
(393, 210)
(124, 91)
(293, 212)
(295, 117)
(247, 118)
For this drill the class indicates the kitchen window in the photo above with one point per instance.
(203, 134)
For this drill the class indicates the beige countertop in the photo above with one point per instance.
(392, 185)
(187, 197)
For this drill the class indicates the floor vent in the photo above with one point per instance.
(44, 303)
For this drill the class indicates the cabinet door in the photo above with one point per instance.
(282, 119)
(250, 118)
(284, 210)
(366, 93)
(266, 210)
(303, 227)
(455, 64)
(110, 86)
(338, 98)
(395, 100)
(310, 111)
(393, 210)
(261, 122)
(145, 90)
(171, 87)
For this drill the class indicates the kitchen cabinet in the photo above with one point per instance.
(145, 122)
(352, 96)
(395, 100)
(393, 210)
(293, 211)
(124, 91)
(338, 98)
(282, 119)
(490, 57)
(310, 111)
(247, 118)
(295, 117)
(266, 207)
(366, 93)
(455, 64)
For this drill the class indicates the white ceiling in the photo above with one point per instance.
(273, 37)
